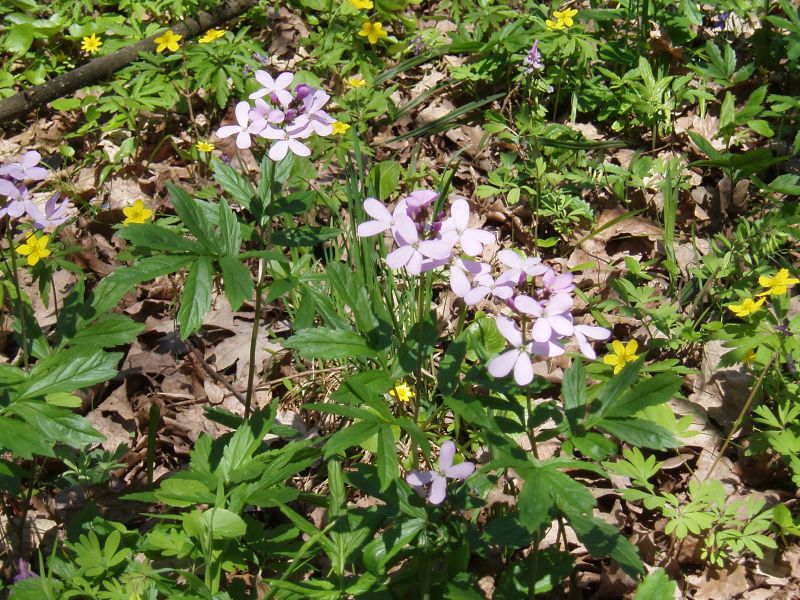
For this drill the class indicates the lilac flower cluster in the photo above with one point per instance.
(285, 117)
(536, 318)
(18, 205)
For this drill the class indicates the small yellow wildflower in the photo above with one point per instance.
(91, 44)
(373, 31)
(136, 214)
(402, 392)
(565, 16)
(168, 41)
(778, 284)
(359, 4)
(211, 35)
(356, 81)
(747, 307)
(204, 146)
(35, 248)
(339, 128)
(623, 354)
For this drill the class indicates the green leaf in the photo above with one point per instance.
(388, 469)
(65, 104)
(656, 586)
(304, 235)
(229, 229)
(640, 432)
(761, 127)
(219, 523)
(59, 425)
(63, 399)
(237, 281)
(385, 177)
(196, 296)
(650, 392)
(194, 219)
(381, 550)
(602, 539)
(574, 393)
(22, 440)
(330, 344)
(350, 436)
(156, 237)
(19, 39)
(534, 501)
(239, 187)
(786, 184)
(69, 370)
(108, 331)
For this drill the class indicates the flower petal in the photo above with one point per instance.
(460, 471)
(458, 282)
(419, 478)
(243, 113)
(438, 489)
(500, 366)
(400, 256)
(446, 454)
(509, 330)
(460, 213)
(278, 150)
(523, 369)
(541, 330)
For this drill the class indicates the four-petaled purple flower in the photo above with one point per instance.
(437, 480)
(517, 359)
(472, 239)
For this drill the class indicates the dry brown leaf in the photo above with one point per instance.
(720, 584)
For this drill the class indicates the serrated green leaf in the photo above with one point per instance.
(69, 370)
(230, 231)
(239, 187)
(640, 432)
(330, 344)
(194, 218)
(156, 237)
(22, 440)
(58, 425)
(108, 331)
(196, 296)
(237, 281)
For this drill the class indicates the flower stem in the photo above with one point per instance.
(251, 368)
(15, 278)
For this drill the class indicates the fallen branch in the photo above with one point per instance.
(104, 66)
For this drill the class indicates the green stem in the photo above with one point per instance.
(251, 368)
(533, 567)
(15, 278)
(742, 413)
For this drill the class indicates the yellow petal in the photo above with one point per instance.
(632, 347)
(611, 359)
(619, 349)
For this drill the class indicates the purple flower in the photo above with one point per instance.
(418, 200)
(263, 59)
(285, 140)
(437, 480)
(459, 281)
(472, 239)
(502, 287)
(26, 168)
(383, 218)
(517, 359)
(314, 119)
(551, 317)
(55, 213)
(411, 250)
(530, 266)
(17, 196)
(243, 129)
(263, 114)
(533, 60)
(276, 87)
(557, 283)
(582, 332)
(23, 571)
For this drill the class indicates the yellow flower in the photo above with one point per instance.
(747, 307)
(35, 248)
(168, 41)
(749, 357)
(339, 128)
(558, 24)
(402, 392)
(204, 146)
(623, 354)
(565, 16)
(211, 35)
(373, 32)
(356, 81)
(136, 214)
(778, 284)
(359, 4)
(91, 44)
